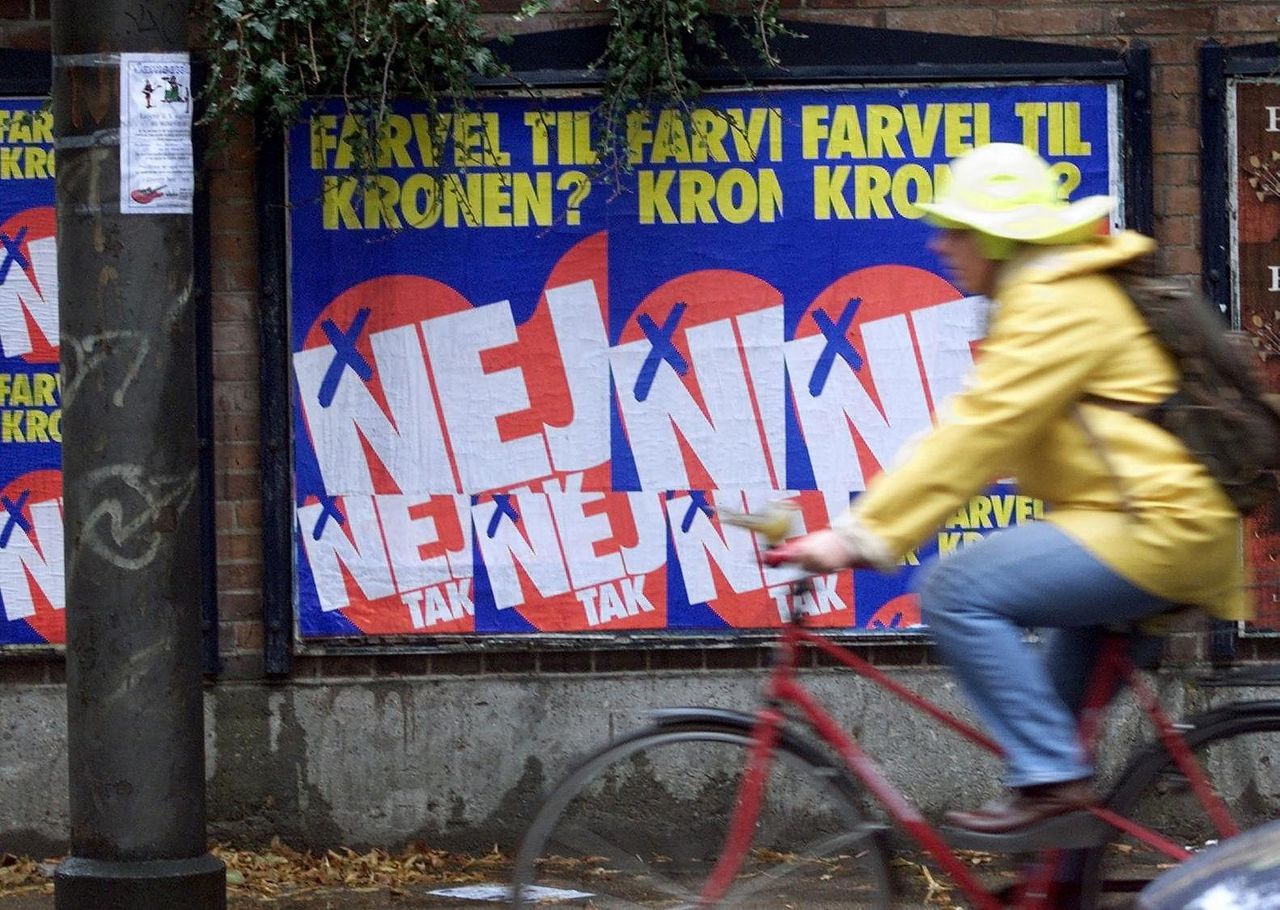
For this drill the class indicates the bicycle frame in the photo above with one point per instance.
(783, 688)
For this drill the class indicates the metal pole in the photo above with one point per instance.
(134, 700)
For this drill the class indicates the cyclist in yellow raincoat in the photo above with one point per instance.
(1135, 524)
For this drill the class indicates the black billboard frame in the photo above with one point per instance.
(812, 54)
(1219, 66)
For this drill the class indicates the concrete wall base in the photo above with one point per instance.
(462, 762)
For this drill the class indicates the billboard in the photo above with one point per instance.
(523, 382)
(1254, 187)
(32, 599)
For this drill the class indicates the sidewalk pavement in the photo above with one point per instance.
(347, 900)
(416, 899)
(332, 900)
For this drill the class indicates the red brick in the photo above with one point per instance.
(242, 576)
(1258, 20)
(1178, 200)
(15, 9)
(1168, 109)
(1179, 170)
(241, 666)
(1181, 79)
(235, 427)
(1033, 22)
(248, 636)
(520, 663)
(621, 661)
(234, 245)
(732, 658)
(1181, 260)
(1170, 50)
(565, 661)
(235, 365)
(26, 670)
(457, 663)
(249, 514)
(234, 276)
(816, 13)
(237, 485)
(1175, 139)
(903, 655)
(237, 184)
(239, 605)
(234, 305)
(233, 214)
(1182, 648)
(966, 21)
(235, 398)
(1181, 19)
(403, 665)
(33, 37)
(240, 456)
(235, 337)
(1176, 231)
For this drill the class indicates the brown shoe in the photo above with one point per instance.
(1026, 806)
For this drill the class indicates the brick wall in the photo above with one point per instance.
(24, 24)
(1174, 31)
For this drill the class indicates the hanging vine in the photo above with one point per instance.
(267, 56)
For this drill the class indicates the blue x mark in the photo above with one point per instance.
(344, 355)
(662, 349)
(328, 509)
(837, 343)
(504, 507)
(13, 253)
(697, 503)
(15, 517)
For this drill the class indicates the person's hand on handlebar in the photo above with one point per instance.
(819, 552)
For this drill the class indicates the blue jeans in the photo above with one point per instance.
(978, 601)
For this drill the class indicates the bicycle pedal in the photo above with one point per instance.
(1072, 831)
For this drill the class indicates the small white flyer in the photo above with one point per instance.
(157, 171)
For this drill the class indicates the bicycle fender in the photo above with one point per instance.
(1231, 711)
(743, 721)
(665, 717)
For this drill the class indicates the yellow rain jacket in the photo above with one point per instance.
(1143, 505)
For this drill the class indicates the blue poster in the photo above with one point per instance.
(32, 600)
(525, 382)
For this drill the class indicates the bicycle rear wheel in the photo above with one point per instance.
(641, 823)
(1238, 748)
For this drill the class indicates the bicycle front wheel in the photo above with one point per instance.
(1238, 749)
(642, 823)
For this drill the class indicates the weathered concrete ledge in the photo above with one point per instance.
(461, 762)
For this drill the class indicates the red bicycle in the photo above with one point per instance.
(781, 808)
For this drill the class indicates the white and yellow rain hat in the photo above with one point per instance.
(1006, 190)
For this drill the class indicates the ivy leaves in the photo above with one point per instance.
(268, 56)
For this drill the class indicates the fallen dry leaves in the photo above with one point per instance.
(19, 875)
(281, 871)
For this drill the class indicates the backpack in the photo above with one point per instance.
(1221, 411)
